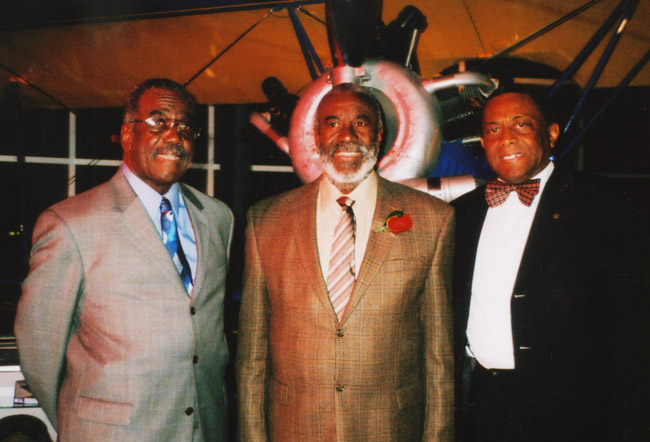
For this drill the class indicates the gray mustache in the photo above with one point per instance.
(351, 147)
(172, 148)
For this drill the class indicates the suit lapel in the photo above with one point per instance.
(303, 217)
(202, 234)
(137, 227)
(378, 245)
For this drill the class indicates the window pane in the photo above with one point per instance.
(201, 143)
(98, 133)
(30, 188)
(195, 178)
(45, 133)
(88, 177)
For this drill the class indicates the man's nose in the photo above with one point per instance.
(347, 133)
(507, 136)
(172, 134)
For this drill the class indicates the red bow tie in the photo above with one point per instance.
(498, 191)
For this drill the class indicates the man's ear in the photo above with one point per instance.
(125, 137)
(553, 133)
(481, 140)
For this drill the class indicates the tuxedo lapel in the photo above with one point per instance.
(472, 232)
(303, 218)
(549, 219)
(471, 212)
(379, 243)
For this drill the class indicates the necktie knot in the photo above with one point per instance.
(345, 202)
(497, 192)
(165, 206)
(168, 225)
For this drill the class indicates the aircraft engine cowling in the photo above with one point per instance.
(412, 116)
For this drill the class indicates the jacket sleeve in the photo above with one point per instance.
(45, 314)
(253, 344)
(438, 337)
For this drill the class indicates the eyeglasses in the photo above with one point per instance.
(159, 125)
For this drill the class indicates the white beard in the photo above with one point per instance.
(351, 178)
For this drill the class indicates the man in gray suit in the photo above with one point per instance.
(120, 323)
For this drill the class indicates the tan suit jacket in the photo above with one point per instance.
(109, 340)
(385, 372)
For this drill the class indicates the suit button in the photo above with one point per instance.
(192, 311)
(189, 411)
(340, 333)
(340, 387)
(195, 359)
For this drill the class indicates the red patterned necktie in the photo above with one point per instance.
(497, 192)
(341, 270)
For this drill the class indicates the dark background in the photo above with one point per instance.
(617, 145)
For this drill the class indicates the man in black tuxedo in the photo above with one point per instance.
(545, 280)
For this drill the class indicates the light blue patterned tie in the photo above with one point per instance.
(173, 244)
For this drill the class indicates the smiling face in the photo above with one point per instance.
(348, 138)
(159, 159)
(516, 138)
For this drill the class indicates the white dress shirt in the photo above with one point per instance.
(500, 248)
(328, 212)
(151, 200)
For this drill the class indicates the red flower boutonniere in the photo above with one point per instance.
(396, 222)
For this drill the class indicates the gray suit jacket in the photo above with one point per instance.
(385, 371)
(109, 341)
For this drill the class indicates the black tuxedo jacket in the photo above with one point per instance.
(570, 305)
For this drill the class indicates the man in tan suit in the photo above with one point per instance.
(120, 337)
(379, 365)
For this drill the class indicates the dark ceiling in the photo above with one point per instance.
(35, 13)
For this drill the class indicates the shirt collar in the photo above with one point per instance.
(149, 197)
(544, 175)
(362, 195)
